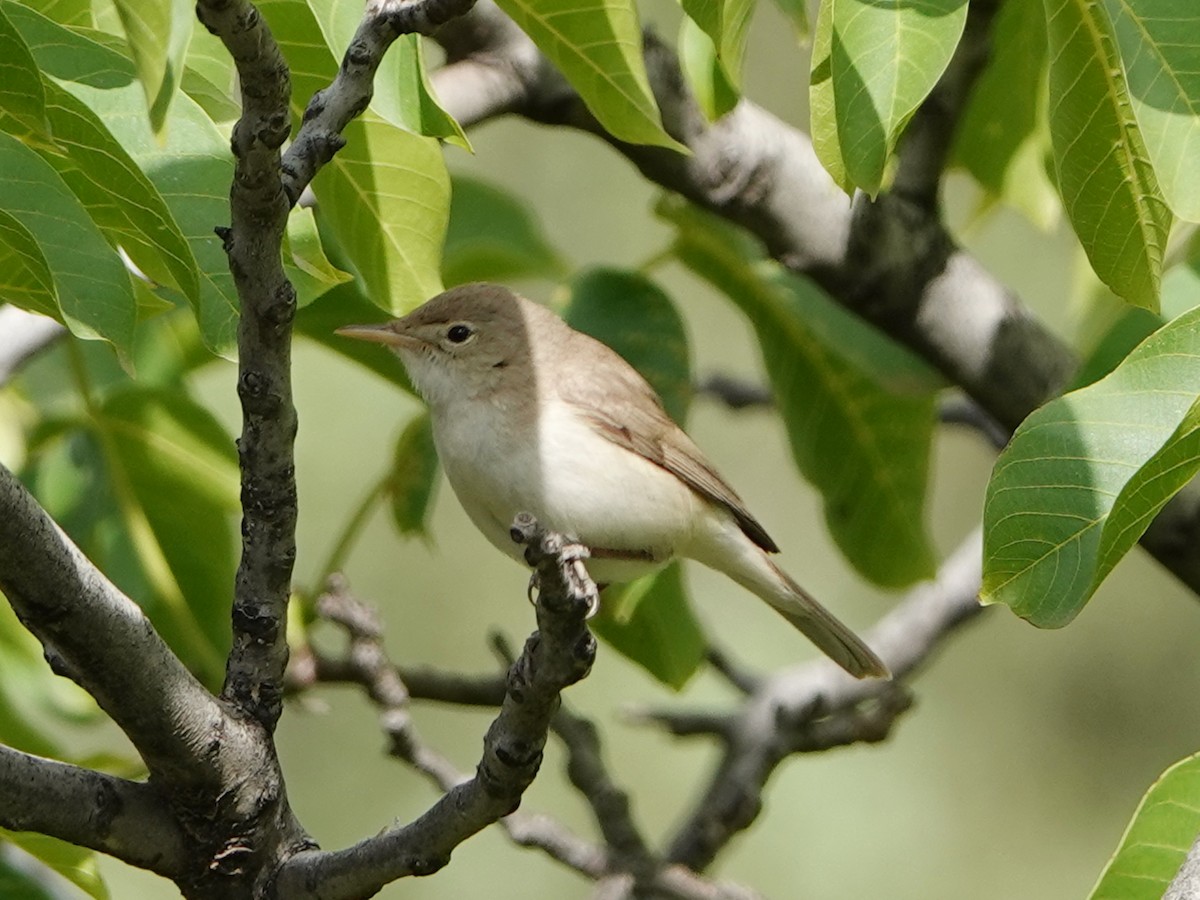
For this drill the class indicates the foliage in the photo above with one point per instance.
(114, 169)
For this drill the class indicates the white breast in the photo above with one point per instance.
(571, 478)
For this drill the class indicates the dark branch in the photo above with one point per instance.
(816, 706)
(100, 639)
(124, 819)
(259, 206)
(557, 655)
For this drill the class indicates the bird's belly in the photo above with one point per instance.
(632, 514)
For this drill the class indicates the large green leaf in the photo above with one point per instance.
(175, 474)
(633, 316)
(710, 84)
(1159, 41)
(872, 65)
(21, 95)
(1003, 139)
(1107, 183)
(865, 446)
(386, 194)
(411, 483)
(1084, 475)
(158, 33)
(122, 201)
(25, 277)
(597, 45)
(650, 622)
(492, 236)
(402, 93)
(69, 54)
(1158, 837)
(726, 23)
(95, 298)
(66, 12)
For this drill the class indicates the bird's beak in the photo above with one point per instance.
(380, 333)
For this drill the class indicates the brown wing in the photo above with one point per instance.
(641, 425)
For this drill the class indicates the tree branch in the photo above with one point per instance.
(100, 639)
(1186, 883)
(259, 207)
(557, 655)
(891, 260)
(816, 706)
(332, 109)
(124, 819)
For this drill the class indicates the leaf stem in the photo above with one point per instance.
(352, 530)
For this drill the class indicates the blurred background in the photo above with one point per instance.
(1013, 776)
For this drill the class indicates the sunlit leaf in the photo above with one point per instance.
(1108, 185)
(1083, 476)
(872, 65)
(597, 45)
(122, 201)
(21, 95)
(1159, 41)
(385, 195)
(95, 298)
(707, 77)
(1157, 840)
(726, 23)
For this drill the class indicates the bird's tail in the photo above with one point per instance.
(735, 555)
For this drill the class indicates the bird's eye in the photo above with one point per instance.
(459, 333)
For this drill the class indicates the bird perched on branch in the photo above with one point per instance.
(530, 415)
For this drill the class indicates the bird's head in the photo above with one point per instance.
(459, 344)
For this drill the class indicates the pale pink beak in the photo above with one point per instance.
(380, 333)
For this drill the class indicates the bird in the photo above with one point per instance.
(530, 415)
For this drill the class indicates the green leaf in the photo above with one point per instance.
(633, 316)
(94, 294)
(402, 93)
(75, 864)
(492, 236)
(305, 262)
(872, 66)
(191, 169)
(1083, 475)
(1106, 179)
(1003, 139)
(1157, 840)
(175, 474)
(69, 54)
(66, 12)
(21, 95)
(148, 27)
(863, 445)
(1158, 40)
(385, 195)
(25, 277)
(122, 201)
(597, 45)
(707, 77)
(412, 481)
(727, 25)
(650, 622)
